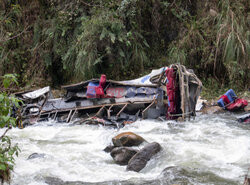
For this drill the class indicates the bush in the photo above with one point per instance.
(7, 151)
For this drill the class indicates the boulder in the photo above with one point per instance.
(122, 155)
(109, 148)
(212, 110)
(139, 160)
(36, 155)
(127, 139)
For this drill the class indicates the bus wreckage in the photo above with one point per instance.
(166, 93)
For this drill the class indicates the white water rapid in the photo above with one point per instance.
(211, 144)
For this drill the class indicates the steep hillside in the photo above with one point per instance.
(56, 42)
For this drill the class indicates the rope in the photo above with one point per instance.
(175, 115)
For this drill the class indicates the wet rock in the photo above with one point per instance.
(109, 148)
(53, 181)
(139, 160)
(212, 110)
(36, 155)
(127, 139)
(122, 155)
(180, 175)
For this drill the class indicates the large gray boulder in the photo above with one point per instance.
(127, 139)
(139, 160)
(122, 155)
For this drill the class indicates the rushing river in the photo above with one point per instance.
(212, 149)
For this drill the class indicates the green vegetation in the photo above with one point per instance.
(7, 151)
(54, 42)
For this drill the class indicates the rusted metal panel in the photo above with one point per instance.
(121, 110)
(59, 104)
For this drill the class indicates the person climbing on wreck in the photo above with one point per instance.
(100, 89)
(96, 90)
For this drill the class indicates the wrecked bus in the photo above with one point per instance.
(166, 93)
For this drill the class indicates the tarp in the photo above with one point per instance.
(37, 93)
(147, 79)
(118, 92)
(139, 82)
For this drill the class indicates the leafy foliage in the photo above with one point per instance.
(7, 151)
(233, 40)
(216, 45)
(57, 42)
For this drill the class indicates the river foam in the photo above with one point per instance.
(210, 144)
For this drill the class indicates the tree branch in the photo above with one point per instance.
(15, 35)
(5, 132)
(87, 4)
